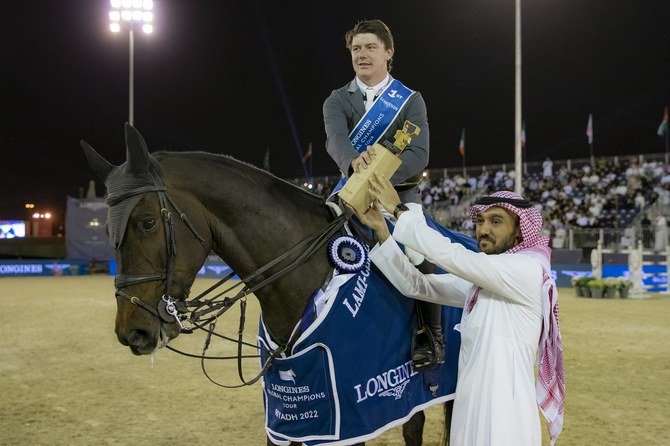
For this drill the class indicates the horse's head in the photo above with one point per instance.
(159, 245)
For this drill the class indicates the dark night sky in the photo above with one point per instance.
(237, 77)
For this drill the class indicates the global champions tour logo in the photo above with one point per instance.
(390, 383)
(287, 375)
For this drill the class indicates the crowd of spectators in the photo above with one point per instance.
(607, 196)
(610, 195)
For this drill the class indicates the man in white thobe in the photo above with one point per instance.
(510, 309)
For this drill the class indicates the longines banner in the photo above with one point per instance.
(213, 269)
(43, 267)
(653, 275)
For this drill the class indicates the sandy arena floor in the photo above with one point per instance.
(65, 380)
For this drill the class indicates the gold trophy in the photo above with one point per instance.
(385, 161)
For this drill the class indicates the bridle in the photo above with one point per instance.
(166, 309)
(202, 312)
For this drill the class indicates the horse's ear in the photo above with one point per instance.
(137, 155)
(98, 164)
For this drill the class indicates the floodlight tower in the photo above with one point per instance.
(517, 97)
(131, 15)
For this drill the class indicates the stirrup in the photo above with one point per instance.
(427, 350)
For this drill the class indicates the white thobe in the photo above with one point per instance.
(495, 402)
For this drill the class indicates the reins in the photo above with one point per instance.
(312, 243)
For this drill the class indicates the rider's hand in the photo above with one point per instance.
(363, 160)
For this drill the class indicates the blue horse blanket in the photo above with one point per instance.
(349, 376)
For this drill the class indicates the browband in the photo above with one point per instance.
(487, 200)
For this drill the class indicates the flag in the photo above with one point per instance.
(266, 160)
(589, 129)
(461, 147)
(308, 154)
(523, 135)
(663, 128)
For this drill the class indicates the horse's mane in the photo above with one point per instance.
(262, 176)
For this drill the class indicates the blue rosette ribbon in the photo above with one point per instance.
(347, 254)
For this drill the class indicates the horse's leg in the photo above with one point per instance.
(412, 431)
(448, 411)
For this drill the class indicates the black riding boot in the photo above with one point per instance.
(428, 343)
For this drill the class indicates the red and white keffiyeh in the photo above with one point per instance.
(550, 386)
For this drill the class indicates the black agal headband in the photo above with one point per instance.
(489, 200)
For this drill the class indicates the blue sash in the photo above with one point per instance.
(377, 120)
(374, 124)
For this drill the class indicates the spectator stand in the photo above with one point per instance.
(581, 204)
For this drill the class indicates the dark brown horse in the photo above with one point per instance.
(169, 210)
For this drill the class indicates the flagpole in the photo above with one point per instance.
(667, 135)
(517, 98)
(664, 130)
(465, 174)
(524, 150)
(667, 145)
(461, 149)
(305, 157)
(589, 138)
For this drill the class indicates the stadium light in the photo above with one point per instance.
(131, 14)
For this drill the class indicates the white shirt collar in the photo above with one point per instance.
(377, 88)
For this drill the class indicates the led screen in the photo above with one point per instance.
(12, 228)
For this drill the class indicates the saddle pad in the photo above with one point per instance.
(349, 377)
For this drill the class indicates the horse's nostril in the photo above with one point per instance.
(138, 338)
(140, 342)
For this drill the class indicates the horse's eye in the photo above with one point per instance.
(148, 224)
